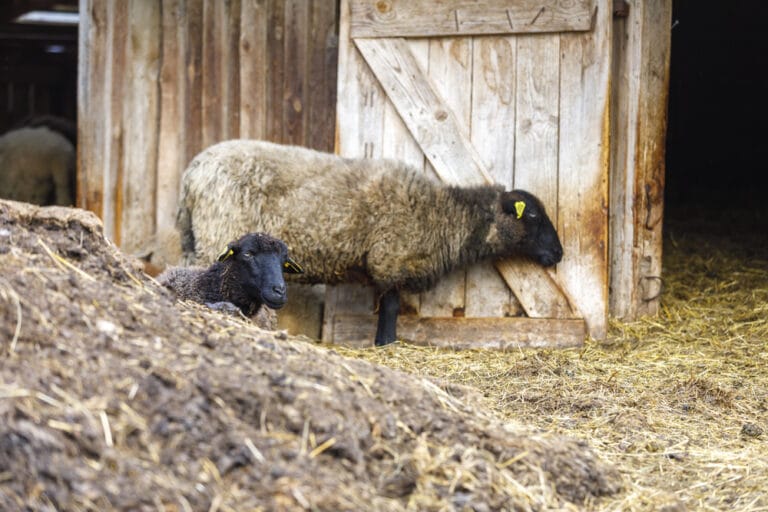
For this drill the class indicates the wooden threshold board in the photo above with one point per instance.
(466, 333)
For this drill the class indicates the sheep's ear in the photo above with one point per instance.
(229, 251)
(519, 208)
(291, 267)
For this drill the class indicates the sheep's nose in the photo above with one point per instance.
(279, 289)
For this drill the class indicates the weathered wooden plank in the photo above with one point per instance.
(321, 81)
(539, 293)
(115, 86)
(536, 126)
(140, 115)
(346, 299)
(450, 70)
(192, 112)
(641, 47)
(466, 333)
(295, 67)
(253, 63)
(227, 14)
(404, 18)
(431, 122)
(276, 69)
(93, 42)
(493, 135)
(212, 79)
(583, 190)
(444, 143)
(170, 158)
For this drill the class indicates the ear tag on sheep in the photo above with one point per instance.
(291, 267)
(519, 208)
(226, 254)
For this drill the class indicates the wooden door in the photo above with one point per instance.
(508, 91)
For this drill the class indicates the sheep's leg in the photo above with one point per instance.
(389, 306)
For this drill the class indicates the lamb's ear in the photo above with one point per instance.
(509, 205)
(229, 251)
(291, 267)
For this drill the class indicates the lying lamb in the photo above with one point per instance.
(378, 221)
(246, 276)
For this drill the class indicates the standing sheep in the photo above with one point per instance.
(375, 221)
(37, 165)
(246, 276)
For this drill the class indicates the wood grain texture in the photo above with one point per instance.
(430, 120)
(114, 88)
(295, 65)
(275, 70)
(253, 62)
(583, 177)
(227, 14)
(641, 47)
(170, 161)
(408, 18)
(320, 94)
(141, 115)
(465, 333)
(212, 79)
(445, 143)
(93, 43)
(492, 132)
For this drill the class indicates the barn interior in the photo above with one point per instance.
(676, 402)
(716, 151)
(38, 60)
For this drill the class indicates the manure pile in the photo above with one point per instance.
(114, 397)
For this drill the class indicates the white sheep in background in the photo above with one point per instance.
(37, 165)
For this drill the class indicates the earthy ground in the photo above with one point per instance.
(114, 397)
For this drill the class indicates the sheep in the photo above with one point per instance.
(247, 275)
(374, 221)
(37, 165)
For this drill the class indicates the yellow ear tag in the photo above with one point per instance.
(226, 254)
(519, 208)
(291, 267)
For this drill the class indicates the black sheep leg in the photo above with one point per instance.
(389, 306)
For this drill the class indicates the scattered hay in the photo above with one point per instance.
(679, 402)
(114, 397)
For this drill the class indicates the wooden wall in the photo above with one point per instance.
(160, 80)
(641, 55)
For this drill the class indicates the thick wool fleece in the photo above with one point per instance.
(37, 165)
(343, 219)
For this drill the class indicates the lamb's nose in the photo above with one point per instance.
(279, 289)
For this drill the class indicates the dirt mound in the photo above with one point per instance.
(113, 396)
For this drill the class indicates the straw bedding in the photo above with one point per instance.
(679, 402)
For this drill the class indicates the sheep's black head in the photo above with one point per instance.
(254, 270)
(524, 228)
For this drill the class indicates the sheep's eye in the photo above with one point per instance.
(248, 254)
(532, 215)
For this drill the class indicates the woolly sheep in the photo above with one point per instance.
(376, 221)
(246, 276)
(37, 165)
